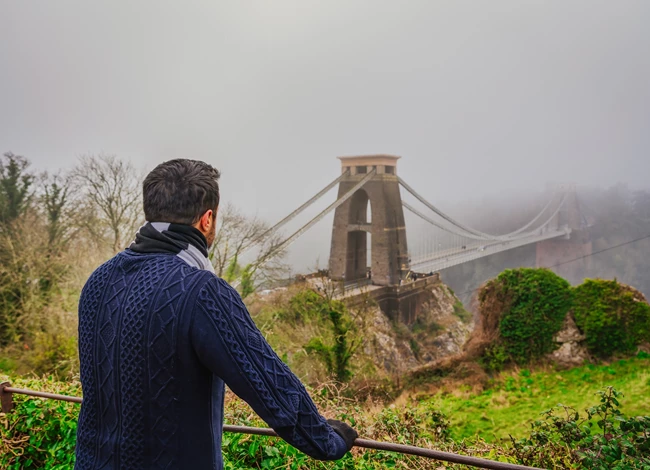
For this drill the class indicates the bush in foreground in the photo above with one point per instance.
(601, 438)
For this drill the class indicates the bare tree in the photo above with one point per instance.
(245, 250)
(235, 234)
(269, 265)
(59, 212)
(109, 198)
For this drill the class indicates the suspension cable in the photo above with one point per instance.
(548, 204)
(552, 216)
(293, 214)
(436, 224)
(471, 233)
(503, 238)
(469, 230)
(516, 242)
(282, 245)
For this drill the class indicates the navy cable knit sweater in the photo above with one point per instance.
(157, 340)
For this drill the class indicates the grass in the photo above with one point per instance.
(516, 398)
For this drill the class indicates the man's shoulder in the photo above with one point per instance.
(101, 274)
(215, 289)
(217, 284)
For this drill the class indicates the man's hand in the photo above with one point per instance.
(346, 432)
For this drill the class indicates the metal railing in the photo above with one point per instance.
(6, 400)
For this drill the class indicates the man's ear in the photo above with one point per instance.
(207, 219)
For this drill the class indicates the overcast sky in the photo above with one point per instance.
(477, 97)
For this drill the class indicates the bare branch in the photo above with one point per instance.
(108, 191)
(246, 241)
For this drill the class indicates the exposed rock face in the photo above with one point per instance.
(570, 351)
(449, 342)
(441, 310)
(383, 346)
(438, 332)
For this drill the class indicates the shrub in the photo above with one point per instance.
(336, 351)
(494, 358)
(53, 353)
(613, 317)
(533, 303)
(40, 434)
(602, 438)
(306, 304)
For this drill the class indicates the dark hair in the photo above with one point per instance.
(180, 191)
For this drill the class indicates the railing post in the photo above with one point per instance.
(6, 398)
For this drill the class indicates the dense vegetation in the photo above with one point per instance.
(614, 318)
(583, 432)
(337, 350)
(587, 431)
(56, 228)
(532, 304)
(523, 309)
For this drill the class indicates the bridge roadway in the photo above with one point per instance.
(341, 290)
(448, 258)
(435, 263)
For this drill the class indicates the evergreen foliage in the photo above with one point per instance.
(40, 434)
(15, 188)
(247, 282)
(531, 304)
(614, 318)
(603, 438)
(55, 199)
(336, 350)
(536, 302)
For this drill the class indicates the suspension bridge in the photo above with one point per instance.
(369, 242)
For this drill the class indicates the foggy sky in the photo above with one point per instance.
(478, 98)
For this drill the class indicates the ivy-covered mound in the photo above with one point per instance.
(521, 311)
(614, 318)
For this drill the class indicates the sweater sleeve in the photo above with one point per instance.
(228, 343)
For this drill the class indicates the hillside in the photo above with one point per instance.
(299, 325)
(422, 384)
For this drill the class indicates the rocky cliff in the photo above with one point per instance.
(441, 328)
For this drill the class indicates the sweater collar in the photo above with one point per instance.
(184, 241)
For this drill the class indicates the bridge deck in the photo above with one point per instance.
(453, 257)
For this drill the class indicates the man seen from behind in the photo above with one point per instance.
(160, 335)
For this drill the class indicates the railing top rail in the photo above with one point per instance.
(35, 393)
(6, 392)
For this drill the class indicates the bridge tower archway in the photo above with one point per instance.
(357, 260)
(369, 233)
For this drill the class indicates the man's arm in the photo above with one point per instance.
(229, 344)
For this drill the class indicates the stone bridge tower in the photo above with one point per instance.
(373, 212)
(571, 254)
